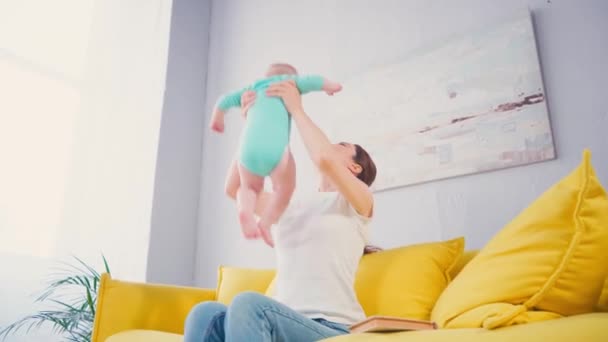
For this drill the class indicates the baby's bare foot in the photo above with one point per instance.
(248, 225)
(266, 235)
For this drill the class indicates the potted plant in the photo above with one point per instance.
(71, 295)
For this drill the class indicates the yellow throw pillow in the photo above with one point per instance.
(234, 280)
(552, 258)
(467, 256)
(270, 289)
(406, 281)
(602, 305)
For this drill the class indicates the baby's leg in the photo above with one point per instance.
(233, 180)
(246, 197)
(283, 183)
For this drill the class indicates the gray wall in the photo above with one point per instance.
(343, 37)
(172, 248)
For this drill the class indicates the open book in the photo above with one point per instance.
(385, 323)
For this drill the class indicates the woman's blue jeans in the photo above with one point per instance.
(253, 317)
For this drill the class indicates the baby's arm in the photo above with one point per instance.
(223, 105)
(308, 83)
(230, 100)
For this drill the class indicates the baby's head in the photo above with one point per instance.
(280, 69)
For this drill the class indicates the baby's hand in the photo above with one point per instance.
(217, 123)
(331, 87)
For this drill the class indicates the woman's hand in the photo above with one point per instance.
(247, 100)
(289, 93)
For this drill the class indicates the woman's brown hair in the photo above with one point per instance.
(368, 168)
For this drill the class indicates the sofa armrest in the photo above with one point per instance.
(124, 306)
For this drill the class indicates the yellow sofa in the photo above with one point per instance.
(551, 260)
(135, 312)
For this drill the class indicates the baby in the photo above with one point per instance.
(264, 149)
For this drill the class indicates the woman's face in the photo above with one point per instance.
(346, 153)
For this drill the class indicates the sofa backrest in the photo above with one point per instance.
(233, 280)
(264, 276)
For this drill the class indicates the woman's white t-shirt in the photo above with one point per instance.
(319, 242)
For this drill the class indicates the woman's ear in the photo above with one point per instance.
(355, 168)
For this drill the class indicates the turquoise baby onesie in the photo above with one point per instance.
(268, 126)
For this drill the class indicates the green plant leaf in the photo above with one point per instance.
(90, 301)
(76, 280)
(89, 268)
(105, 263)
(72, 291)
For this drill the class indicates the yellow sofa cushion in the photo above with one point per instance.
(145, 336)
(270, 289)
(587, 328)
(603, 302)
(552, 257)
(406, 281)
(467, 256)
(234, 280)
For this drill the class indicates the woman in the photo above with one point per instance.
(318, 245)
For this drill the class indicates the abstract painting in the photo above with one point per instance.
(470, 104)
